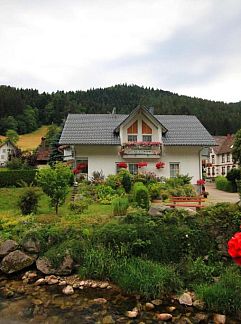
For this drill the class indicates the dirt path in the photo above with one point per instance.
(218, 196)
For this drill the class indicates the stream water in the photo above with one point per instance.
(26, 303)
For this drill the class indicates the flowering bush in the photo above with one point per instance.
(142, 144)
(141, 164)
(234, 248)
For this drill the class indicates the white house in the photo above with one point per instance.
(220, 157)
(101, 141)
(7, 149)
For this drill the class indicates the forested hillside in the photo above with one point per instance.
(24, 110)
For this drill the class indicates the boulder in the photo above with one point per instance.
(32, 245)
(199, 304)
(44, 265)
(15, 261)
(149, 306)
(7, 247)
(158, 210)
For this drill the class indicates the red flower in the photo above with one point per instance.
(234, 247)
(122, 165)
(200, 182)
(237, 260)
(81, 166)
(160, 165)
(75, 171)
(141, 164)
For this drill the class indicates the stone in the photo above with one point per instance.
(99, 301)
(8, 246)
(62, 283)
(156, 302)
(104, 285)
(163, 317)
(199, 304)
(185, 299)
(158, 210)
(200, 317)
(171, 309)
(32, 245)
(44, 265)
(149, 306)
(40, 281)
(108, 319)
(15, 261)
(68, 290)
(219, 319)
(133, 313)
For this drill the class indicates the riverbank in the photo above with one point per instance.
(29, 300)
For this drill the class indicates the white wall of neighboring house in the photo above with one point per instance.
(104, 158)
(5, 151)
(220, 164)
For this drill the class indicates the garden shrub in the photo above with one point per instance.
(126, 182)
(141, 196)
(197, 272)
(113, 181)
(222, 183)
(28, 201)
(105, 194)
(10, 178)
(79, 206)
(223, 296)
(233, 175)
(154, 189)
(178, 181)
(120, 206)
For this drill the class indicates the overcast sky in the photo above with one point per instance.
(191, 47)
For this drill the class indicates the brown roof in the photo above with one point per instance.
(43, 154)
(224, 144)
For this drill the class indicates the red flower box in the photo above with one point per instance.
(81, 166)
(200, 182)
(141, 164)
(122, 165)
(160, 165)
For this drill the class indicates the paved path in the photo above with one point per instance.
(218, 196)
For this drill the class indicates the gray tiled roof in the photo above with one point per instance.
(99, 129)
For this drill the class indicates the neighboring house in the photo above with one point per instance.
(7, 150)
(102, 141)
(220, 157)
(43, 153)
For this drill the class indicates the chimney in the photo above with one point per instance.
(114, 110)
(151, 110)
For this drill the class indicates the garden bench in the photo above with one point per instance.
(195, 202)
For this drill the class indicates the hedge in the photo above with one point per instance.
(13, 178)
(222, 183)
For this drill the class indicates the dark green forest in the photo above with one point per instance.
(24, 110)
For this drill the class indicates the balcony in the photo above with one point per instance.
(141, 150)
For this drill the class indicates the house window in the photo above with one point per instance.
(4, 150)
(133, 169)
(228, 157)
(228, 168)
(213, 159)
(223, 158)
(147, 138)
(213, 171)
(174, 169)
(223, 170)
(132, 138)
(209, 173)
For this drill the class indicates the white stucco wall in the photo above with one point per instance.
(5, 151)
(104, 157)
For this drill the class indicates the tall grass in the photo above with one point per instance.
(134, 275)
(225, 295)
(120, 206)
